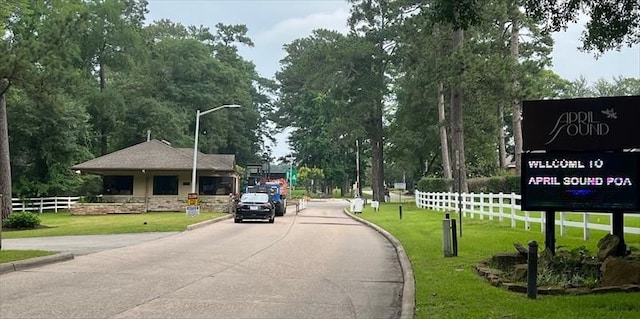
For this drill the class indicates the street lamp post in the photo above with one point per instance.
(195, 144)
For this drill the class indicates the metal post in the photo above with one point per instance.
(617, 225)
(459, 189)
(532, 270)
(454, 237)
(550, 231)
(195, 153)
(358, 170)
(195, 141)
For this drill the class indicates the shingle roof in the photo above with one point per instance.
(157, 155)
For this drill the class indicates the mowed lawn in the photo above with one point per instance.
(450, 288)
(65, 224)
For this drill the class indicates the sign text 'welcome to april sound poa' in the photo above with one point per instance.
(580, 181)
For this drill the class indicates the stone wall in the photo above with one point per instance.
(155, 204)
(106, 208)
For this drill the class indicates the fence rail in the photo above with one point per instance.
(43, 204)
(507, 206)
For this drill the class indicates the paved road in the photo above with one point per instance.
(82, 245)
(318, 264)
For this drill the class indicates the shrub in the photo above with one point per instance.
(427, 184)
(497, 184)
(21, 220)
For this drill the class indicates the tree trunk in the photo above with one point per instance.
(516, 103)
(457, 119)
(502, 147)
(103, 134)
(5, 165)
(444, 139)
(377, 159)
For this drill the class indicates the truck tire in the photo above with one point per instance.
(279, 210)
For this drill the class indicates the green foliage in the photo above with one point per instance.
(21, 220)
(496, 184)
(427, 184)
(570, 268)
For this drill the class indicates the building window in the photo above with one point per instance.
(165, 185)
(117, 185)
(215, 185)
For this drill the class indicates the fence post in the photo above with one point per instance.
(527, 224)
(562, 226)
(55, 204)
(585, 226)
(491, 205)
(481, 205)
(501, 207)
(512, 200)
(41, 204)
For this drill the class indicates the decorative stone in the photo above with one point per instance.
(505, 261)
(521, 249)
(631, 288)
(600, 290)
(551, 290)
(608, 246)
(519, 272)
(578, 291)
(618, 272)
(515, 287)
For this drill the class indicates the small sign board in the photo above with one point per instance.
(193, 210)
(192, 199)
(375, 205)
(357, 205)
(402, 186)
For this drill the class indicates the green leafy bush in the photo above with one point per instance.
(497, 184)
(427, 184)
(21, 220)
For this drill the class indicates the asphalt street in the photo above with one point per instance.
(321, 263)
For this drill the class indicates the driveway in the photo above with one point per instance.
(318, 264)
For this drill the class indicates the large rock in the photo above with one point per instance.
(521, 249)
(618, 272)
(608, 246)
(506, 261)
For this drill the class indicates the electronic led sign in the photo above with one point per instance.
(586, 124)
(581, 181)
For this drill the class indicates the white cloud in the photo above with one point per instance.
(570, 63)
(299, 27)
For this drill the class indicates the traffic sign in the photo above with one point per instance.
(292, 176)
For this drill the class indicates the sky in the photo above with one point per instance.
(274, 23)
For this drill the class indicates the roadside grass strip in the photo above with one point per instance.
(448, 287)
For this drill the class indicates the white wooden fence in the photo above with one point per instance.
(507, 206)
(43, 204)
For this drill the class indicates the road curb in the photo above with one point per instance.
(34, 262)
(409, 287)
(208, 222)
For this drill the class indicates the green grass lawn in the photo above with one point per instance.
(14, 255)
(450, 288)
(64, 224)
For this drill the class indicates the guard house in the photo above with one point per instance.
(155, 176)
